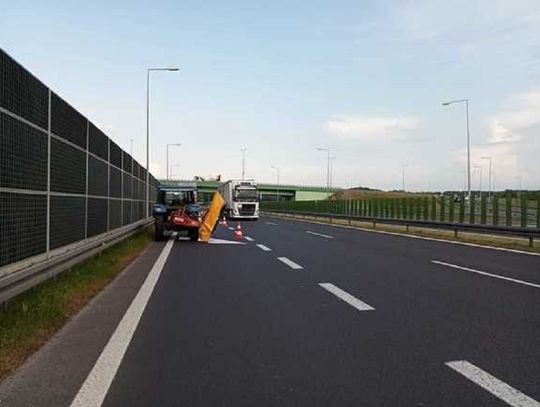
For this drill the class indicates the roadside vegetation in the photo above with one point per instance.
(32, 318)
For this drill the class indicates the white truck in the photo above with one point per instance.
(241, 199)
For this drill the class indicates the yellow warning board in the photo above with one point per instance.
(211, 217)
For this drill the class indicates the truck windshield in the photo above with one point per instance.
(246, 194)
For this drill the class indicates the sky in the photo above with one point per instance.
(364, 79)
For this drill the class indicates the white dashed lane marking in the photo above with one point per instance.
(319, 234)
(271, 223)
(264, 248)
(290, 263)
(348, 298)
(490, 383)
(249, 239)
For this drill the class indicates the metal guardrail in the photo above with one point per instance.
(527, 232)
(20, 277)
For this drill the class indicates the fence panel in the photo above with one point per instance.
(62, 179)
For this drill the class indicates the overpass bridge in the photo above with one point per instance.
(269, 192)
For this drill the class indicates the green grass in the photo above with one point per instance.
(32, 318)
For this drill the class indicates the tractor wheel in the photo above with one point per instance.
(194, 234)
(158, 230)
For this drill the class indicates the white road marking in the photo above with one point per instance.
(502, 249)
(223, 241)
(320, 234)
(95, 387)
(249, 239)
(271, 223)
(493, 385)
(230, 228)
(264, 248)
(348, 298)
(441, 263)
(290, 263)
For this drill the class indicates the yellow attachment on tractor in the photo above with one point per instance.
(211, 217)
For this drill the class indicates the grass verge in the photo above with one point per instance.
(32, 318)
(505, 242)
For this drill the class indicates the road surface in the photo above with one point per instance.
(300, 314)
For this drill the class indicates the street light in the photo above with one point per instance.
(331, 176)
(466, 101)
(327, 166)
(277, 173)
(243, 150)
(481, 171)
(170, 145)
(520, 179)
(148, 132)
(403, 166)
(490, 171)
(173, 166)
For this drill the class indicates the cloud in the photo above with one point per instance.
(371, 127)
(512, 125)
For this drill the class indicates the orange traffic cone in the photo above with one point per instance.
(238, 231)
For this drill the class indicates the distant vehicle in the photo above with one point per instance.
(177, 210)
(241, 199)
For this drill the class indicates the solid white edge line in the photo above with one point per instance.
(348, 298)
(319, 234)
(271, 223)
(493, 385)
(97, 384)
(502, 249)
(442, 263)
(290, 263)
(249, 239)
(264, 248)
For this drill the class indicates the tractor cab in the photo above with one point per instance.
(177, 210)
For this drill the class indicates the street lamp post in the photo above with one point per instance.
(148, 132)
(172, 167)
(168, 146)
(243, 150)
(490, 172)
(481, 176)
(327, 166)
(466, 101)
(331, 175)
(403, 166)
(277, 175)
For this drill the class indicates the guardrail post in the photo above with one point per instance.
(411, 208)
(538, 209)
(524, 209)
(462, 207)
(443, 209)
(508, 208)
(472, 210)
(451, 208)
(495, 209)
(483, 208)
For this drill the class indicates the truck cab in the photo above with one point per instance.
(241, 199)
(177, 210)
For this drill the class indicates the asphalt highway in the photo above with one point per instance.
(297, 313)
